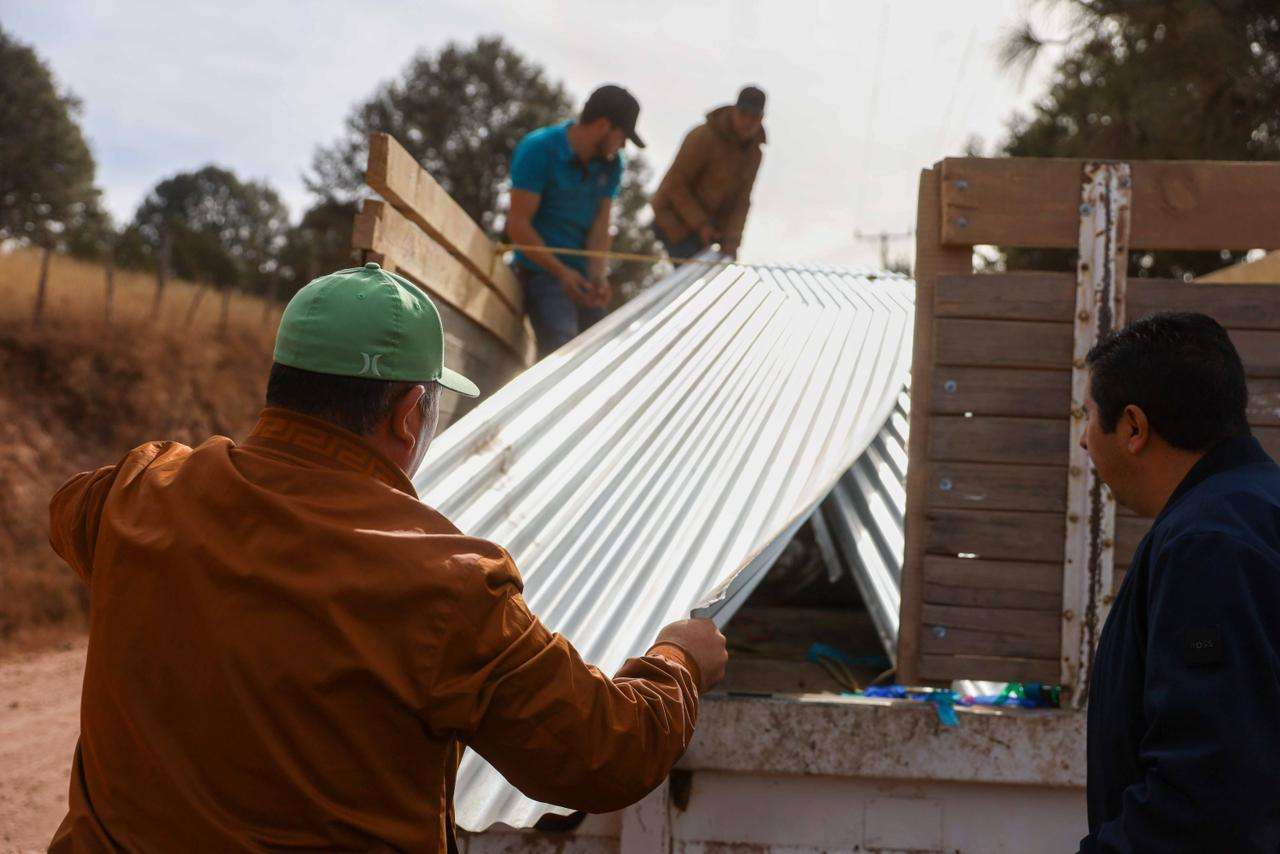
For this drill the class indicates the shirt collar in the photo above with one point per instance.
(1228, 454)
(313, 440)
(566, 150)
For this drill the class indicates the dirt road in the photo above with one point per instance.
(39, 722)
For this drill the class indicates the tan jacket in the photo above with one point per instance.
(288, 649)
(709, 181)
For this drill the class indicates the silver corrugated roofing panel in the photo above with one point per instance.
(659, 461)
(864, 516)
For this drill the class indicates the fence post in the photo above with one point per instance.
(162, 272)
(196, 299)
(41, 287)
(111, 287)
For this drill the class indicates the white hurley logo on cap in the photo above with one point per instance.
(370, 365)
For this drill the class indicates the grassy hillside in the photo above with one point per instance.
(76, 393)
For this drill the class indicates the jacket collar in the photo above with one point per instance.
(718, 120)
(1224, 456)
(321, 443)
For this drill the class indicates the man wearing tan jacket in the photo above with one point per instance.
(705, 195)
(287, 649)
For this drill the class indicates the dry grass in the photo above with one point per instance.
(77, 292)
(76, 393)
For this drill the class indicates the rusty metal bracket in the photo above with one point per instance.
(1106, 193)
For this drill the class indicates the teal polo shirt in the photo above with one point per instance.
(544, 163)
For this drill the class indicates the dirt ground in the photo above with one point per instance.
(39, 722)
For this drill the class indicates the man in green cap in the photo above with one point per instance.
(288, 649)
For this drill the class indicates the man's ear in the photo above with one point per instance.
(1137, 430)
(406, 416)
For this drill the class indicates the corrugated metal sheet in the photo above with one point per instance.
(864, 516)
(662, 460)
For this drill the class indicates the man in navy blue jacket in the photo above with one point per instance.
(1184, 709)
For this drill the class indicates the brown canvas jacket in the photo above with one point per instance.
(288, 649)
(710, 180)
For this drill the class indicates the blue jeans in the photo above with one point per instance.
(556, 319)
(687, 248)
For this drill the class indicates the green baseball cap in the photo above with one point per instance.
(367, 322)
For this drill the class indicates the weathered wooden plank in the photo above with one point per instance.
(1003, 344)
(1003, 391)
(1047, 394)
(382, 229)
(996, 535)
(932, 261)
(1018, 576)
(1018, 621)
(992, 597)
(1051, 297)
(1041, 345)
(990, 667)
(998, 486)
(1007, 296)
(397, 177)
(941, 639)
(1176, 204)
(1234, 306)
(996, 439)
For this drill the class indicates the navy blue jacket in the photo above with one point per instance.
(1184, 708)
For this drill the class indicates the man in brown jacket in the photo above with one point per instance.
(288, 650)
(705, 195)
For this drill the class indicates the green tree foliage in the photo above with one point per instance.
(1174, 79)
(46, 170)
(320, 244)
(219, 229)
(460, 112)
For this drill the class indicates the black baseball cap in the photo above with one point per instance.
(751, 100)
(618, 106)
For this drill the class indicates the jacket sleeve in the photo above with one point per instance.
(74, 514)
(1211, 701)
(558, 729)
(677, 184)
(737, 218)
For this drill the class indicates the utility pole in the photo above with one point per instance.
(883, 238)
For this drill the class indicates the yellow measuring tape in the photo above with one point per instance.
(611, 255)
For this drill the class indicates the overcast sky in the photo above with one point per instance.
(862, 93)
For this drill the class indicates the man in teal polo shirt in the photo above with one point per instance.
(564, 179)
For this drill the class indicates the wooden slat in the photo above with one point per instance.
(996, 535)
(398, 178)
(998, 486)
(1051, 297)
(1176, 204)
(993, 640)
(1234, 306)
(1047, 394)
(1011, 620)
(932, 261)
(1041, 345)
(382, 229)
(993, 584)
(1003, 391)
(1003, 344)
(1007, 296)
(994, 668)
(1035, 441)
